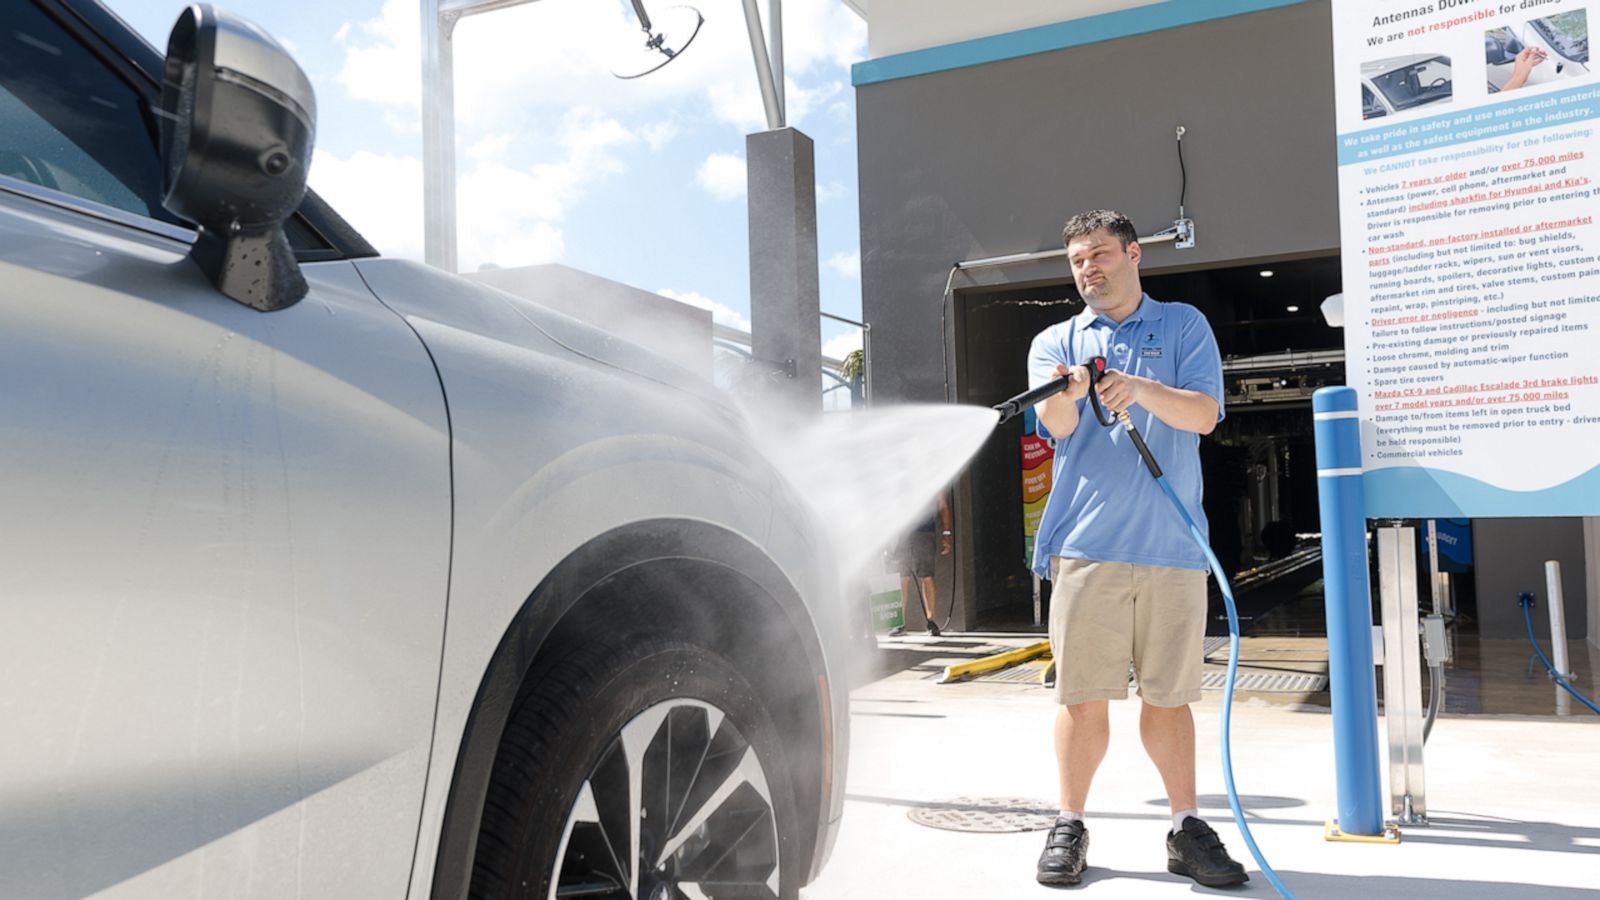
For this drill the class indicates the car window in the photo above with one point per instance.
(1567, 33)
(1370, 107)
(1416, 83)
(70, 123)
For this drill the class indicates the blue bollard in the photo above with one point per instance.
(1349, 601)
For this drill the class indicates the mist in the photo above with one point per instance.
(870, 475)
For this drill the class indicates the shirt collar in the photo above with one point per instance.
(1149, 310)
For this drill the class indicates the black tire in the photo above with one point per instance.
(684, 719)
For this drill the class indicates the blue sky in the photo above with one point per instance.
(557, 161)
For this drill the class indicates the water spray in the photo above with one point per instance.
(1097, 369)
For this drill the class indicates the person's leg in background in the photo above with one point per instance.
(930, 604)
(905, 605)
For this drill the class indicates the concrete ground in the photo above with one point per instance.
(1513, 801)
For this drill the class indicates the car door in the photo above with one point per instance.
(224, 534)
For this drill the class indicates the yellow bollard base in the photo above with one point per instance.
(1390, 835)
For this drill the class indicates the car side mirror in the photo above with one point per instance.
(237, 125)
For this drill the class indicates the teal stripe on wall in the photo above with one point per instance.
(1045, 38)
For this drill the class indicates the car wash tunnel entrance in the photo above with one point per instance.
(1259, 464)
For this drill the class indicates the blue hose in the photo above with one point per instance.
(1227, 695)
(1526, 602)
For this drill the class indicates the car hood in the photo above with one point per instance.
(478, 308)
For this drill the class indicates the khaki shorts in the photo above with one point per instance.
(1104, 615)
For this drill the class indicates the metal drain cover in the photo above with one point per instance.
(1021, 673)
(985, 814)
(1267, 682)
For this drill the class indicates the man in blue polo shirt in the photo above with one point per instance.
(1128, 582)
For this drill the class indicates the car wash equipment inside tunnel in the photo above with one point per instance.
(1525, 600)
(1096, 367)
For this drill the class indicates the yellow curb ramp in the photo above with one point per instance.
(991, 663)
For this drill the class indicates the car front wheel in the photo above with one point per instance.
(648, 771)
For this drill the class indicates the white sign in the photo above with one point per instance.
(1469, 157)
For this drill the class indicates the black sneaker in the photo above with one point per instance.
(933, 629)
(1197, 852)
(1065, 851)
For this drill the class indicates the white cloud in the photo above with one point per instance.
(489, 148)
(380, 195)
(529, 245)
(721, 313)
(846, 264)
(837, 346)
(833, 190)
(387, 67)
(659, 134)
(738, 102)
(723, 175)
(508, 214)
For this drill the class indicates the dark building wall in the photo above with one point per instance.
(990, 159)
(1508, 558)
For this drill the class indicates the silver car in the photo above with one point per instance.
(326, 575)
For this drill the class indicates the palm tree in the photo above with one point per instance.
(853, 370)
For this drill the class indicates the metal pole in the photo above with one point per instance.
(1349, 609)
(758, 49)
(1558, 619)
(438, 137)
(1433, 564)
(866, 365)
(776, 40)
(1402, 672)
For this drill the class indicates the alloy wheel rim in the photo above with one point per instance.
(677, 807)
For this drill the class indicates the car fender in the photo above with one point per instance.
(571, 452)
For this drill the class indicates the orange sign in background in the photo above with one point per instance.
(1037, 459)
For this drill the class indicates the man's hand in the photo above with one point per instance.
(1059, 412)
(1078, 383)
(1522, 67)
(944, 544)
(1119, 390)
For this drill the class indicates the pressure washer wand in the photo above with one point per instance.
(1096, 365)
(1014, 407)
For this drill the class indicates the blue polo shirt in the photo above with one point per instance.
(1103, 503)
